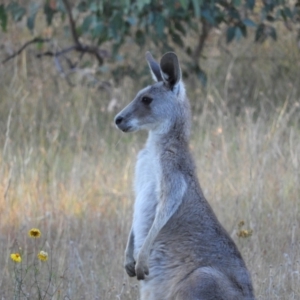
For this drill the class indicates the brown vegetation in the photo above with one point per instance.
(66, 170)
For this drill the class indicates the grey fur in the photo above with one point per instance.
(176, 246)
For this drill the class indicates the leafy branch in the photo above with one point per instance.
(114, 22)
(33, 41)
(79, 47)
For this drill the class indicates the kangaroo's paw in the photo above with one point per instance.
(130, 267)
(141, 268)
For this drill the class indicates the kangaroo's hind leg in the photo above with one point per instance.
(208, 284)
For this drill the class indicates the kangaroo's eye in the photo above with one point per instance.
(146, 100)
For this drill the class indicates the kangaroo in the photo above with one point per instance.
(176, 247)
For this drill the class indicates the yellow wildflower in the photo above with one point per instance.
(34, 233)
(43, 256)
(16, 257)
(245, 233)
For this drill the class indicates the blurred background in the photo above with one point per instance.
(67, 67)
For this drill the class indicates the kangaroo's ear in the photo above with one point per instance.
(154, 67)
(170, 69)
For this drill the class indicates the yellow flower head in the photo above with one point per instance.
(43, 256)
(16, 257)
(34, 233)
(244, 233)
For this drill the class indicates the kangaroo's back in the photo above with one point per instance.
(176, 246)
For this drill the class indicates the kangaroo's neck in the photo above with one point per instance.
(174, 135)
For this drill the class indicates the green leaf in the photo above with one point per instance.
(243, 29)
(233, 13)
(196, 5)
(178, 26)
(177, 39)
(206, 14)
(249, 23)
(159, 24)
(259, 32)
(49, 13)
(230, 34)
(98, 30)
(142, 3)
(273, 33)
(88, 22)
(219, 16)
(126, 6)
(150, 18)
(270, 18)
(116, 25)
(60, 6)
(269, 5)
(250, 4)
(39, 45)
(94, 7)
(189, 51)
(282, 13)
(184, 4)
(236, 2)
(3, 17)
(140, 38)
(82, 6)
(115, 49)
(263, 14)
(238, 34)
(16, 11)
(33, 9)
(288, 12)
(131, 20)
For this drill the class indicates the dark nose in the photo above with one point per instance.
(118, 120)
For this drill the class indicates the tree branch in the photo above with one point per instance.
(78, 46)
(72, 22)
(99, 54)
(56, 53)
(35, 40)
(206, 27)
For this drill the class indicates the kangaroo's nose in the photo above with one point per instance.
(118, 120)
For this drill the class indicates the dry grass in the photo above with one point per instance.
(66, 170)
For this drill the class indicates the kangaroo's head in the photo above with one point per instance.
(160, 106)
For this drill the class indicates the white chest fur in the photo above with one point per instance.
(147, 189)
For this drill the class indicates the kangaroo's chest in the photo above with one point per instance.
(147, 190)
(147, 172)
